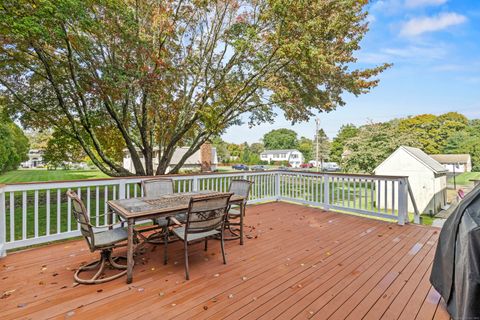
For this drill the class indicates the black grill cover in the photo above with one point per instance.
(456, 267)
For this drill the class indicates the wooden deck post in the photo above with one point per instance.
(402, 201)
(326, 192)
(3, 230)
(277, 186)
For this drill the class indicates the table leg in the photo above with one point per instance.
(130, 248)
(242, 215)
(110, 217)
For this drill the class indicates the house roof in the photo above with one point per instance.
(279, 151)
(451, 158)
(422, 157)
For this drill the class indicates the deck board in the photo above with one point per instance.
(297, 262)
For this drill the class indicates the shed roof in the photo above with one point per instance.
(422, 157)
(451, 158)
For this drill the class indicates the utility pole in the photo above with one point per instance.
(317, 122)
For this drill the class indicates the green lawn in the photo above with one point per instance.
(464, 178)
(40, 175)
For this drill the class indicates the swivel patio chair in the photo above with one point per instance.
(104, 241)
(155, 188)
(205, 219)
(235, 217)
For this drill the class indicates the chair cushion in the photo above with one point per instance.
(110, 237)
(180, 232)
(234, 213)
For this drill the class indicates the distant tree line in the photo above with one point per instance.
(365, 147)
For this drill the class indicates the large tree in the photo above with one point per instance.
(160, 74)
(337, 147)
(13, 144)
(280, 139)
(374, 143)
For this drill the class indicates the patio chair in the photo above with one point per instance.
(205, 219)
(153, 188)
(104, 241)
(242, 188)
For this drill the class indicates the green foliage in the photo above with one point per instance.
(305, 146)
(14, 145)
(337, 147)
(62, 150)
(257, 148)
(466, 141)
(280, 139)
(373, 144)
(116, 74)
(432, 132)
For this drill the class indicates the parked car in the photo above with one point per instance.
(258, 168)
(240, 167)
(282, 168)
(306, 165)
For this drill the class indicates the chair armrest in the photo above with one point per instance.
(175, 221)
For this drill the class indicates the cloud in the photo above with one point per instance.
(423, 3)
(417, 26)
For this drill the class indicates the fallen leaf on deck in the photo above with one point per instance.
(21, 305)
(244, 278)
(379, 235)
(216, 275)
(141, 289)
(7, 294)
(54, 274)
(205, 307)
(161, 294)
(41, 283)
(153, 269)
(100, 290)
(70, 313)
(230, 296)
(174, 304)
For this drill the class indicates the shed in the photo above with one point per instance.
(427, 177)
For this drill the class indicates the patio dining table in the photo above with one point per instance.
(144, 208)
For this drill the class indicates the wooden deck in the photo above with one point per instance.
(297, 263)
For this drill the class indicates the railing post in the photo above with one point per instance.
(277, 186)
(122, 189)
(326, 192)
(195, 184)
(402, 201)
(3, 229)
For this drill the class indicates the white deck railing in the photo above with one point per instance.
(34, 213)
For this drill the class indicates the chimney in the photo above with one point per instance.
(206, 157)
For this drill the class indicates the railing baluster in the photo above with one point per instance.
(47, 212)
(12, 216)
(97, 205)
(35, 212)
(24, 215)
(59, 211)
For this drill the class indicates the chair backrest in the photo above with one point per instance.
(207, 212)
(157, 187)
(241, 187)
(81, 215)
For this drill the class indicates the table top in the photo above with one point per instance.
(164, 205)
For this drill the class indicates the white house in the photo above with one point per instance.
(457, 163)
(292, 156)
(35, 159)
(427, 178)
(204, 159)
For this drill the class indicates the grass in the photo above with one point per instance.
(42, 175)
(464, 178)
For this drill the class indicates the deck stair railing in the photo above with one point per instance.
(35, 213)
